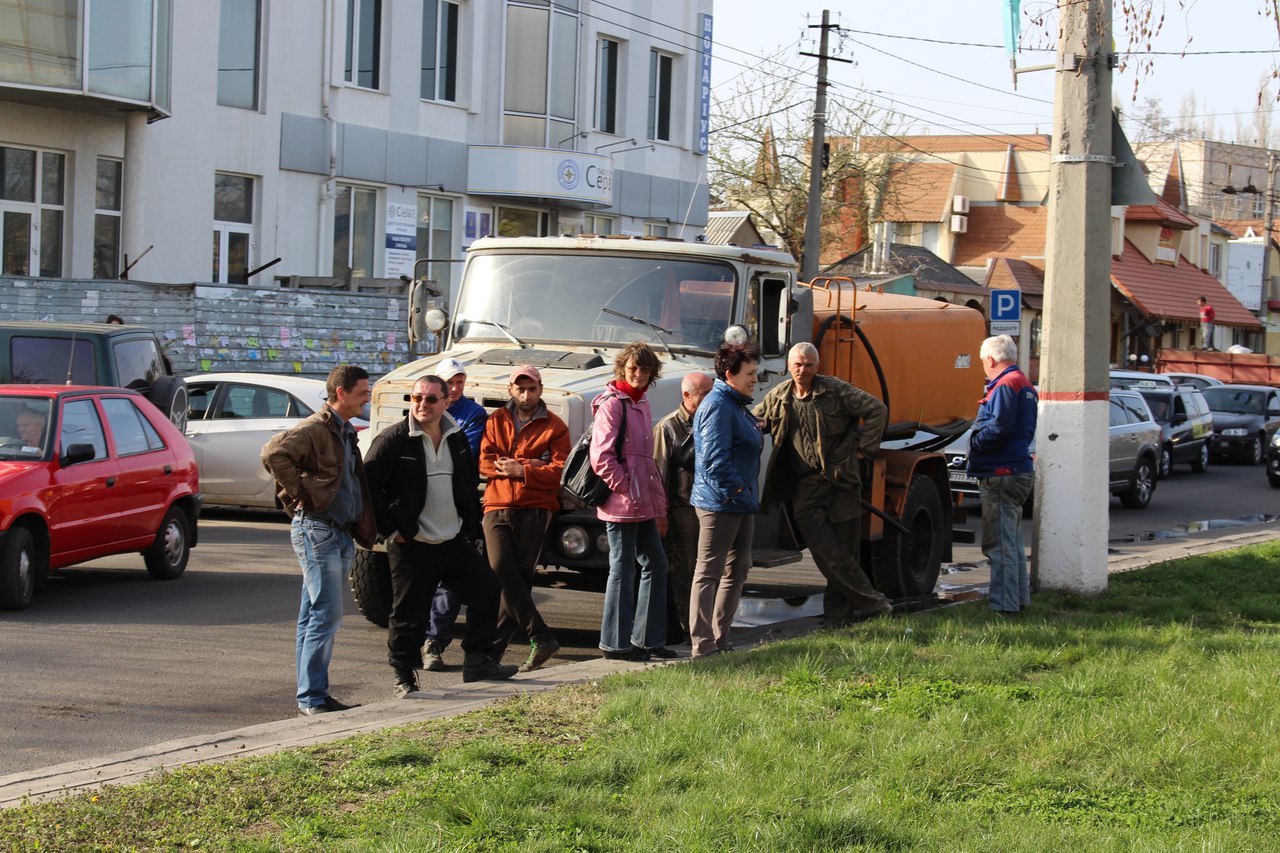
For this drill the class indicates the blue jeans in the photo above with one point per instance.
(1002, 500)
(445, 607)
(629, 620)
(325, 552)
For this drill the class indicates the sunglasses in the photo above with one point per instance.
(431, 399)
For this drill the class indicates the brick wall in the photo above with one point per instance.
(207, 328)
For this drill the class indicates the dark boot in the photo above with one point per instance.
(479, 666)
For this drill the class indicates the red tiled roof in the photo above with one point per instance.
(1002, 230)
(1162, 212)
(1239, 227)
(918, 192)
(1170, 292)
(1010, 186)
(955, 143)
(1012, 273)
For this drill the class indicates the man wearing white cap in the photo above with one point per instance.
(471, 418)
(522, 455)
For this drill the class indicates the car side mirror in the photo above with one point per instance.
(1179, 418)
(77, 453)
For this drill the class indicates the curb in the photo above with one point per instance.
(60, 780)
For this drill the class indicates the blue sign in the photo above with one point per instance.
(1006, 305)
(703, 140)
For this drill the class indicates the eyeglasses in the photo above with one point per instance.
(431, 399)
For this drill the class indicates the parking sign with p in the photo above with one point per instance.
(1006, 312)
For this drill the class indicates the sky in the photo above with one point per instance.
(908, 74)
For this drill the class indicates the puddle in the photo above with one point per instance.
(754, 612)
(1188, 527)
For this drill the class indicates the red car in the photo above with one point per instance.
(88, 472)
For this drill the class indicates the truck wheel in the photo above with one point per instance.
(371, 583)
(166, 559)
(1144, 485)
(905, 566)
(18, 565)
(169, 395)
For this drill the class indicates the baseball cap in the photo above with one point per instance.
(526, 370)
(450, 368)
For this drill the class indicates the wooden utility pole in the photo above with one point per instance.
(1072, 503)
(813, 217)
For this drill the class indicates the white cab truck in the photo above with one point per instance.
(568, 305)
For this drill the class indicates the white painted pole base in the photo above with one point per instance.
(1069, 551)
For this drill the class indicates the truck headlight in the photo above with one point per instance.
(1235, 431)
(574, 542)
(602, 543)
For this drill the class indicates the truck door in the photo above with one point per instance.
(768, 295)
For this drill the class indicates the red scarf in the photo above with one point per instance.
(634, 393)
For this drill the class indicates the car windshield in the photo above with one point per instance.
(24, 427)
(1233, 401)
(594, 299)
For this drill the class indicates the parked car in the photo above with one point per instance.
(1133, 453)
(1245, 417)
(232, 416)
(1140, 379)
(92, 354)
(1187, 426)
(1273, 461)
(1196, 380)
(88, 472)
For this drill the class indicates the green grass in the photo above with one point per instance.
(1142, 720)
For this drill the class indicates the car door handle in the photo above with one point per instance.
(168, 469)
(111, 481)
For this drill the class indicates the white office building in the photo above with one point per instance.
(201, 139)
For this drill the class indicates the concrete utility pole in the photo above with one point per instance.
(1070, 552)
(813, 217)
(1267, 229)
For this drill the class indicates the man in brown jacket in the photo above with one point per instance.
(522, 454)
(320, 479)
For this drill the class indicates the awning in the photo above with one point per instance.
(1170, 292)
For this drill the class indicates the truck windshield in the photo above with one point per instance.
(562, 298)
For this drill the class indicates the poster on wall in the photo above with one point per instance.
(477, 222)
(402, 239)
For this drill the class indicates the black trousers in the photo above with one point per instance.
(513, 541)
(417, 568)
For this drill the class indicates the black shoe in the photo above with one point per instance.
(432, 660)
(631, 654)
(662, 653)
(477, 666)
(334, 705)
(406, 683)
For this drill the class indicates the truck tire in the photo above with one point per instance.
(169, 395)
(371, 584)
(907, 566)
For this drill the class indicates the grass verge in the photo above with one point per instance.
(1142, 720)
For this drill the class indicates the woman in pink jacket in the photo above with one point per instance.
(635, 513)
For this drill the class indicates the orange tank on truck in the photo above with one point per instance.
(569, 305)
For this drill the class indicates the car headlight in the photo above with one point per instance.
(574, 542)
(1275, 440)
(1235, 431)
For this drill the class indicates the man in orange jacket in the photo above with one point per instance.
(522, 454)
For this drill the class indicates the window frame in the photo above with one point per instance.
(607, 101)
(559, 130)
(39, 213)
(446, 40)
(257, 58)
(103, 214)
(372, 233)
(661, 110)
(224, 229)
(591, 221)
(353, 54)
(430, 250)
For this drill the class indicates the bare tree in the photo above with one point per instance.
(760, 153)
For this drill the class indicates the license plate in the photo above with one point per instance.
(961, 477)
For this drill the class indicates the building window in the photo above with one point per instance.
(354, 227)
(439, 51)
(1259, 205)
(541, 76)
(41, 43)
(524, 222)
(232, 228)
(435, 238)
(660, 66)
(238, 33)
(31, 211)
(106, 220)
(656, 229)
(364, 43)
(607, 85)
(120, 49)
(592, 224)
(1215, 260)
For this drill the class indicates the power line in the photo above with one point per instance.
(952, 76)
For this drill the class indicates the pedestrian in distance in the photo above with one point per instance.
(522, 454)
(821, 426)
(681, 542)
(726, 444)
(1000, 459)
(424, 485)
(321, 480)
(634, 624)
(1208, 324)
(471, 418)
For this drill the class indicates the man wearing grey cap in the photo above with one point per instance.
(470, 417)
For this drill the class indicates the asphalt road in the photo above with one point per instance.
(107, 659)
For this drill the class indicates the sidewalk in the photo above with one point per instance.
(965, 581)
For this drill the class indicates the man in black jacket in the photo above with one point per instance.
(424, 487)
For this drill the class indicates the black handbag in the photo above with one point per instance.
(579, 478)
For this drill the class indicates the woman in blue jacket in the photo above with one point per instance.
(726, 442)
